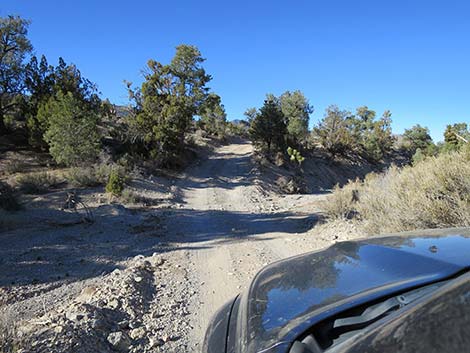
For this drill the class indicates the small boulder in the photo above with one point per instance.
(119, 341)
(87, 294)
(156, 260)
(137, 333)
(113, 304)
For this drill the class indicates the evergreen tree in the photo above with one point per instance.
(40, 85)
(455, 136)
(213, 117)
(14, 47)
(165, 105)
(296, 110)
(268, 127)
(417, 137)
(72, 132)
(334, 132)
(44, 81)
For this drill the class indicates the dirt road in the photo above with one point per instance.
(146, 279)
(230, 228)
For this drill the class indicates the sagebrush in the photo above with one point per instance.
(83, 177)
(36, 183)
(435, 193)
(8, 332)
(94, 175)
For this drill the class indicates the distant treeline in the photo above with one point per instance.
(62, 113)
(283, 121)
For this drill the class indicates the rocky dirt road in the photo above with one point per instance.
(148, 280)
(229, 228)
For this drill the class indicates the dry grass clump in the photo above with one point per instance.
(435, 193)
(342, 204)
(8, 333)
(94, 175)
(129, 196)
(15, 166)
(36, 183)
(83, 177)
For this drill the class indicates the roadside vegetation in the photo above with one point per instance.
(432, 193)
(53, 110)
(414, 183)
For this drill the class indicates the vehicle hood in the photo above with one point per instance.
(288, 297)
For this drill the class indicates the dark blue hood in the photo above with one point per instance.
(288, 297)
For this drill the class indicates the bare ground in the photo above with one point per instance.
(148, 279)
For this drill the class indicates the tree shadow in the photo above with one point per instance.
(47, 246)
(197, 226)
(220, 172)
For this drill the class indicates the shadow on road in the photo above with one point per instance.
(51, 248)
(197, 226)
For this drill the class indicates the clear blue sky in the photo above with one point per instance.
(412, 57)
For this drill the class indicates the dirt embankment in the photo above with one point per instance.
(148, 280)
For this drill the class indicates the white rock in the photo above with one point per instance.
(139, 257)
(87, 294)
(137, 333)
(73, 316)
(119, 341)
(113, 304)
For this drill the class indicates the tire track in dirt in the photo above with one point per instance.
(230, 229)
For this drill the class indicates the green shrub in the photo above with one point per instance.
(418, 156)
(115, 184)
(295, 155)
(36, 183)
(72, 133)
(435, 193)
(94, 175)
(8, 200)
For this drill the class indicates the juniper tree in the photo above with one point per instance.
(213, 116)
(44, 81)
(14, 47)
(417, 137)
(297, 110)
(268, 127)
(334, 132)
(72, 132)
(166, 103)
